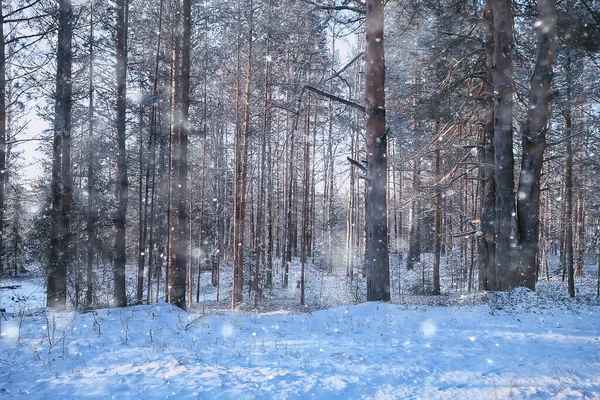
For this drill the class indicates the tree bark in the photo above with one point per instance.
(534, 144)
(60, 187)
(503, 142)
(305, 204)
(241, 163)
(263, 157)
(414, 236)
(179, 236)
(120, 299)
(2, 137)
(569, 191)
(437, 239)
(488, 276)
(378, 272)
(91, 212)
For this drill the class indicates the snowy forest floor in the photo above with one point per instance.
(462, 345)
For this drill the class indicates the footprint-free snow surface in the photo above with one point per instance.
(371, 350)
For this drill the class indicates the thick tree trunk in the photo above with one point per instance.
(503, 142)
(179, 236)
(534, 144)
(120, 299)
(378, 271)
(61, 163)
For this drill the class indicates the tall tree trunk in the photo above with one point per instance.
(56, 294)
(488, 277)
(305, 204)
(580, 219)
(378, 269)
(503, 141)
(182, 209)
(151, 164)
(414, 237)
(120, 299)
(569, 189)
(241, 163)
(91, 213)
(141, 222)
(263, 157)
(3, 116)
(270, 194)
(179, 239)
(534, 144)
(437, 238)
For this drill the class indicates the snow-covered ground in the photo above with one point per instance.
(370, 350)
(458, 346)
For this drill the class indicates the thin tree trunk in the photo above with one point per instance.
(580, 209)
(142, 223)
(151, 165)
(488, 278)
(414, 239)
(261, 184)
(569, 193)
(437, 239)
(240, 179)
(120, 299)
(305, 203)
(183, 215)
(91, 213)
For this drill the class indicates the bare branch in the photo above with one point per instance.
(341, 71)
(357, 10)
(336, 98)
(357, 164)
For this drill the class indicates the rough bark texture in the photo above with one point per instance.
(120, 299)
(178, 297)
(241, 172)
(2, 138)
(486, 245)
(378, 272)
(262, 174)
(569, 199)
(179, 236)
(60, 186)
(437, 239)
(305, 205)
(534, 144)
(91, 212)
(503, 141)
(414, 236)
